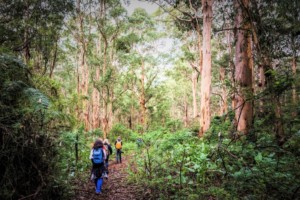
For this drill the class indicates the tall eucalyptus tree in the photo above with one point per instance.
(243, 101)
(205, 113)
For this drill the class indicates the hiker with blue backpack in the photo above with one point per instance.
(98, 157)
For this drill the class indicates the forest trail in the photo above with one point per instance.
(115, 187)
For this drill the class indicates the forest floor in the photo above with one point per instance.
(116, 187)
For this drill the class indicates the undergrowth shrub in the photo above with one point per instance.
(28, 139)
(222, 165)
(120, 130)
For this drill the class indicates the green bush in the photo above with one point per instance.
(173, 125)
(29, 147)
(120, 130)
(182, 166)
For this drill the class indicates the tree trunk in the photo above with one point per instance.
(76, 149)
(294, 65)
(206, 68)
(26, 36)
(96, 120)
(105, 90)
(224, 108)
(278, 123)
(261, 86)
(194, 91)
(243, 71)
(294, 69)
(110, 113)
(96, 103)
(105, 120)
(186, 114)
(54, 58)
(230, 64)
(199, 47)
(83, 79)
(130, 122)
(84, 89)
(111, 98)
(104, 114)
(142, 98)
(105, 126)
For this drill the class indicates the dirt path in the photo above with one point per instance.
(115, 187)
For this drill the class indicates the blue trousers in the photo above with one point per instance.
(99, 183)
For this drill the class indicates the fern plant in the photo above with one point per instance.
(27, 144)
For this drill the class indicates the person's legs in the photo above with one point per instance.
(120, 156)
(99, 185)
(106, 166)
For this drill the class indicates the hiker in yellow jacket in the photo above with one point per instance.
(118, 145)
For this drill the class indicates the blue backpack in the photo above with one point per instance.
(98, 156)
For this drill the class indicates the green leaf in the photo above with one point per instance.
(258, 158)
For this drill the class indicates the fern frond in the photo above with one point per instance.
(37, 99)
